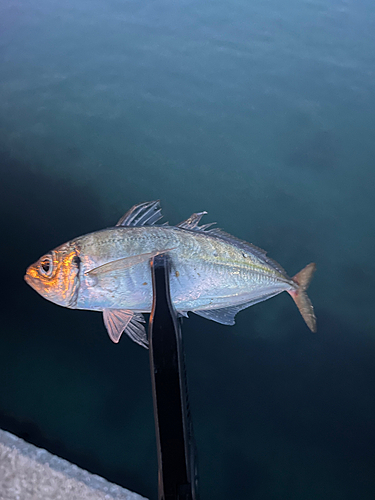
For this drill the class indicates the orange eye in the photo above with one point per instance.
(46, 266)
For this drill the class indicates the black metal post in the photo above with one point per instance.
(176, 452)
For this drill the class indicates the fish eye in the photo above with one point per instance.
(46, 266)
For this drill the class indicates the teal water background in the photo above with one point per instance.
(261, 113)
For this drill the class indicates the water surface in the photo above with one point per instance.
(262, 114)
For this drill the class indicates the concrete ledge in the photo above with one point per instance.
(31, 473)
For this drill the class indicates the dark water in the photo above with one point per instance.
(261, 113)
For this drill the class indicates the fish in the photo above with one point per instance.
(213, 274)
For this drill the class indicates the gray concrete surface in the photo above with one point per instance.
(31, 473)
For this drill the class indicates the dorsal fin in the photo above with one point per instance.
(147, 213)
(192, 224)
(247, 247)
(193, 221)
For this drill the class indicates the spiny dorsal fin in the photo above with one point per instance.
(144, 214)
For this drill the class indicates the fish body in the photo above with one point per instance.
(213, 274)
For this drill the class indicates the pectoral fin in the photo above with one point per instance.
(118, 321)
(125, 263)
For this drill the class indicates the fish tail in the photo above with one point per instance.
(300, 297)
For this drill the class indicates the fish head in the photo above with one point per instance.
(55, 276)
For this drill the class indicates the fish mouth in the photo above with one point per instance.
(35, 283)
(30, 280)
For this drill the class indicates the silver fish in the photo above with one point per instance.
(214, 274)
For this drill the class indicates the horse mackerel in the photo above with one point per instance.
(214, 274)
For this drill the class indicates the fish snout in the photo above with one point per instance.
(29, 279)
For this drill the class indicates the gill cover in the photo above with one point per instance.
(55, 276)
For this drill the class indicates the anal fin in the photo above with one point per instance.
(226, 315)
(118, 321)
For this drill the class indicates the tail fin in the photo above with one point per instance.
(300, 297)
